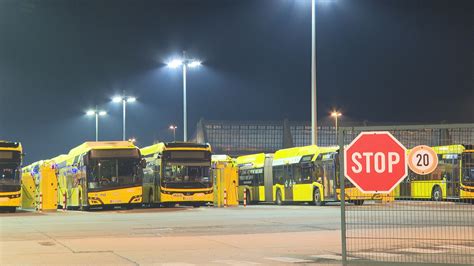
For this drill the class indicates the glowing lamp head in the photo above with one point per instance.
(131, 99)
(336, 114)
(117, 99)
(90, 112)
(175, 63)
(102, 113)
(194, 63)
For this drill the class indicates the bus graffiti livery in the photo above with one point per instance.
(10, 175)
(178, 173)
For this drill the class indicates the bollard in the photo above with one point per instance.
(245, 197)
(64, 202)
(41, 202)
(225, 198)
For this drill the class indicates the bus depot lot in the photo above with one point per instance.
(263, 234)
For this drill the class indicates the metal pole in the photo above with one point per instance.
(337, 142)
(185, 128)
(124, 102)
(96, 125)
(314, 114)
(343, 196)
(174, 134)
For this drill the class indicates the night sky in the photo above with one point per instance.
(380, 60)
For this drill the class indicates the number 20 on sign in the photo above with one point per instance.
(422, 160)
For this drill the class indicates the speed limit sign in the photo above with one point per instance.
(422, 160)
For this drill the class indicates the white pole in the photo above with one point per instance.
(124, 101)
(185, 128)
(96, 125)
(337, 142)
(314, 115)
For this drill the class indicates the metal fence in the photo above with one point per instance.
(427, 218)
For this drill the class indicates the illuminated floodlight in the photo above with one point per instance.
(131, 99)
(194, 63)
(102, 113)
(335, 114)
(117, 99)
(90, 112)
(175, 63)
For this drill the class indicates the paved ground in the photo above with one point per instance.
(178, 236)
(265, 234)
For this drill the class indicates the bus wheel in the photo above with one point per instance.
(317, 197)
(278, 200)
(437, 194)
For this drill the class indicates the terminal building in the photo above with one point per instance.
(236, 138)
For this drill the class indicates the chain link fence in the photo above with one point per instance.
(427, 218)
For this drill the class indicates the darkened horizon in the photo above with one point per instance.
(382, 61)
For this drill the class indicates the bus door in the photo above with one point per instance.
(329, 176)
(268, 179)
(451, 175)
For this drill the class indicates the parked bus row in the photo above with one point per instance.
(117, 173)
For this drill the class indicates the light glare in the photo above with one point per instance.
(90, 112)
(194, 63)
(117, 99)
(175, 63)
(102, 113)
(131, 99)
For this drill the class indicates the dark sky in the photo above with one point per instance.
(378, 60)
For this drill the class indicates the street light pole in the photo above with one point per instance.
(185, 115)
(185, 63)
(336, 116)
(124, 100)
(173, 127)
(96, 113)
(314, 114)
(124, 110)
(96, 126)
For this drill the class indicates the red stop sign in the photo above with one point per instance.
(375, 162)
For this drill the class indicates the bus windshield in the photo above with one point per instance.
(113, 173)
(10, 162)
(186, 176)
(468, 169)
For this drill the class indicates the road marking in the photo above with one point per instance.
(456, 247)
(236, 262)
(421, 250)
(376, 254)
(327, 257)
(288, 259)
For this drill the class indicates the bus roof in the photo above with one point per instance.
(251, 160)
(293, 155)
(10, 146)
(162, 146)
(100, 145)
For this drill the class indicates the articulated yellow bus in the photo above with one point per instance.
(453, 179)
(11, 154)
(301, 174)
(255, 177)
(177, 172)
(101, 174)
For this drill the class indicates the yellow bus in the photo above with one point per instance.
(100, 174)
(453, 179)
(177, 172)
(255, 177)
(300, 174)
(11, 154)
